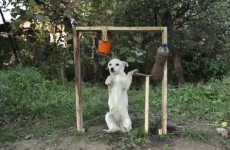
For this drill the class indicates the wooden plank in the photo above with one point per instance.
(164, 90)
(120, 29)
(104, 33)
(146, 104)
(76, 44)
(141, 74)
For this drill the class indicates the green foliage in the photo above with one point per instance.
(197, 135)
(205, 69)
(43, 106)
(166, 147)
(24, 91)
(131, 140)
(5, 51)
(36, 107)
(186, 21)
(95, 102)
(209, 101)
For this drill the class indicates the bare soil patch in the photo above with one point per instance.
(63, 141)
(75, 143)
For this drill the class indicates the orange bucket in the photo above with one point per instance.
(104, 47)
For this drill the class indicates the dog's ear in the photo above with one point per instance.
(125, 64)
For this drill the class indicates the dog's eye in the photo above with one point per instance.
(110, 64)
(117, 64)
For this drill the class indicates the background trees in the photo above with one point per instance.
(198, 35)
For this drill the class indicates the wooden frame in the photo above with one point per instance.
(104, 30)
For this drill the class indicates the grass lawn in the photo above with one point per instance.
(34, 107)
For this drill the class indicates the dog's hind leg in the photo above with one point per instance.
(127, 124)
(111, 123)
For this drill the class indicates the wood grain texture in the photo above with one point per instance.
(146, 104)
(76, 44)
(119, 29)
(164, 90)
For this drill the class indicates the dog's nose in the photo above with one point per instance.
(112, 69)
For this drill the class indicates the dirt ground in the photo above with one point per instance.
(63, 142)
(73, 143)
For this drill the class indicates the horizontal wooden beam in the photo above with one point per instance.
(141, 74)
(120, 29)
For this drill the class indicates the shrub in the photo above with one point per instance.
(204, 69)
(24, 91)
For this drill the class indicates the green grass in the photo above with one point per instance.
(44, 107)
(197, 135)
(210, 101)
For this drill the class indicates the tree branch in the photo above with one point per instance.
(186, 8)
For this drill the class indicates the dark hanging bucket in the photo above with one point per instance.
(160, 59)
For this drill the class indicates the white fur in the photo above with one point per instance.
(118, 82)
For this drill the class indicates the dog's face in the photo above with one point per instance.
(116, 66)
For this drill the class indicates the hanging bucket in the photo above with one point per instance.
(104, 47)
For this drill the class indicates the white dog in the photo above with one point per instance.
(118, 82)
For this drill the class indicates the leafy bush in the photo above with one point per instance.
(204, 69)
(24, 91)
(209, 101)
(41, 106)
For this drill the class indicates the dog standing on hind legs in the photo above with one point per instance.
(118, 83)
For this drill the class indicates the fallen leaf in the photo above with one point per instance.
(110, 12)
(223, 132)
(27, 137)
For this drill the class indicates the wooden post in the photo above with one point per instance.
(104, 33)
(76, 44)
(164, 90)
(146, 104)
(104, 30)
(146, 100)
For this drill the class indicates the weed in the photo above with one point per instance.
(75, 133)
(131, 140)
(164, 137)
(225, 141)
(197, 135)
(166, 147)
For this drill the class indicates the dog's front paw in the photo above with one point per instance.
(108, 80)
(133, 71)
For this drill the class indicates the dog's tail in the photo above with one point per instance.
(116, 129)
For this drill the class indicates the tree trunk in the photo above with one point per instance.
(176, 54)
(62, 74)
(178, 67)
(209, 45)
(12, 41)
